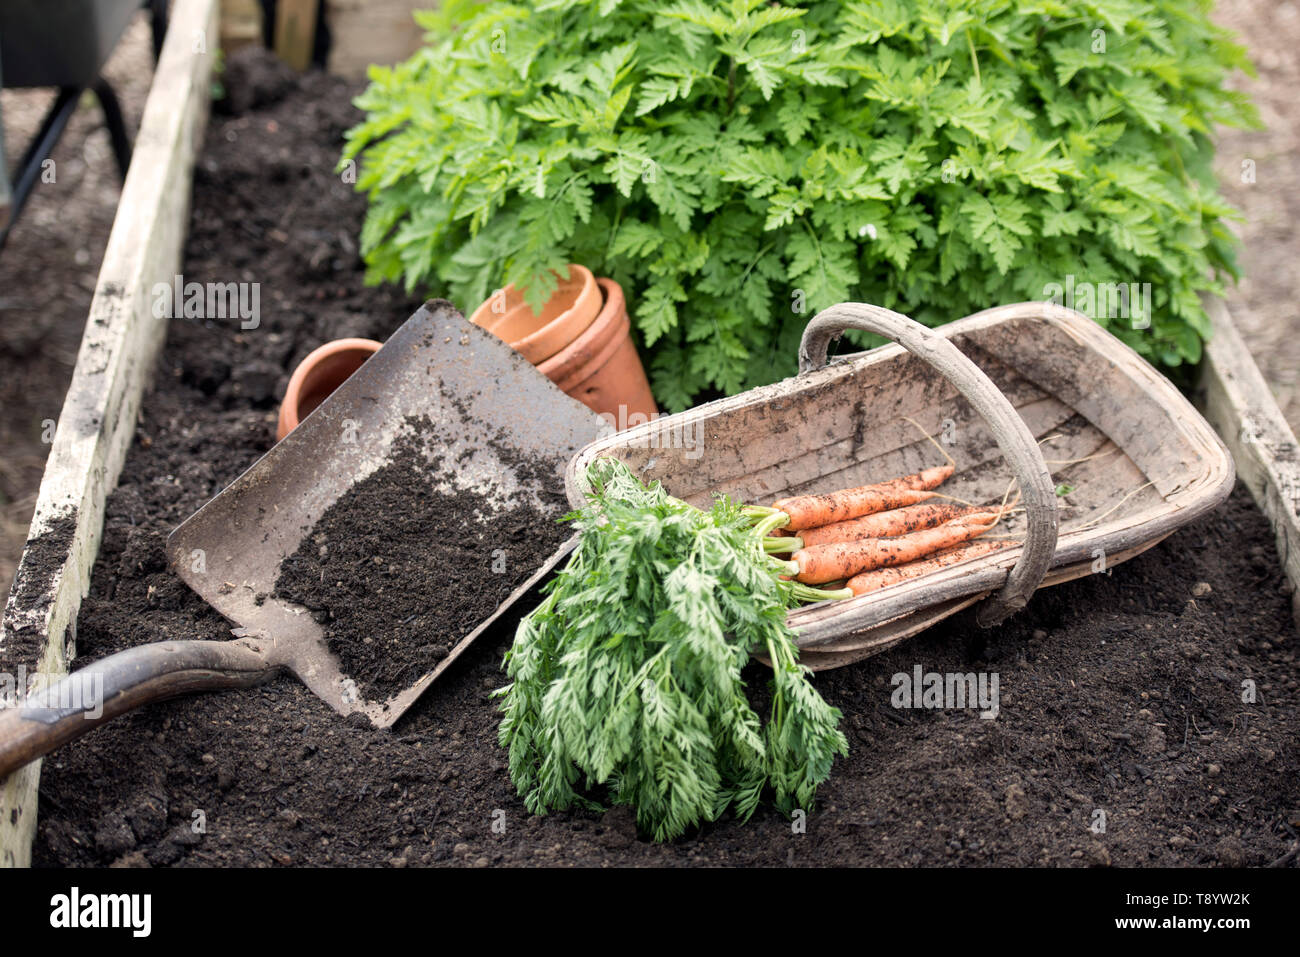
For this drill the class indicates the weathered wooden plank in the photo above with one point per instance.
(117, 354)
(365, 32)
(1239, 405)
(241, 24)
(295, 31)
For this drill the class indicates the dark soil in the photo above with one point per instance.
(398, 571)
(1120, 693)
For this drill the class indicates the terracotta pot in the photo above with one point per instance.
(537, 337)
(323, 371)
(601, 368)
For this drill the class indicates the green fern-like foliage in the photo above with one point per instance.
(628, 678)
(737, 166)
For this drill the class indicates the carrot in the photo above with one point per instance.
(813, 511)
(880, 578)
(824, 563)
(896, 521)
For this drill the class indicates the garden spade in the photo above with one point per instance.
(477, 400)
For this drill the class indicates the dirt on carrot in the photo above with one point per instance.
(813, 511)
(824, 563)
(896, 521)
(866, 582)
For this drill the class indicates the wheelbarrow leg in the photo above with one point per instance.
(6, 194)
(158, 24)
(116, 125)
(39, 150)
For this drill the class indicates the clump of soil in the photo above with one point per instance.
(1120, 693)
(398, 570)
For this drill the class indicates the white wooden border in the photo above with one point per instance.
(1240, 406)
(116, 358)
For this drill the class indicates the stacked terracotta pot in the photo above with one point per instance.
(581, 341)
(323, 371)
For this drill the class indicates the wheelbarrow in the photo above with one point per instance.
(63, 44)
(1029, 392)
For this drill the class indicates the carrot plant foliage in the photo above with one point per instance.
(739, 165)
(627, 677)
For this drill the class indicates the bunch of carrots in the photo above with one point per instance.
(866, 538)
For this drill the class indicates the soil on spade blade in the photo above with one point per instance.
(398, 569)
(1120, 693)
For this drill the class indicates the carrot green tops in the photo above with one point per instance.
(626, 681)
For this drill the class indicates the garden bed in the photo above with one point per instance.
(1119, 693)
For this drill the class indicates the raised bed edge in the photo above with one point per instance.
(117, 355)
(1239, 404)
